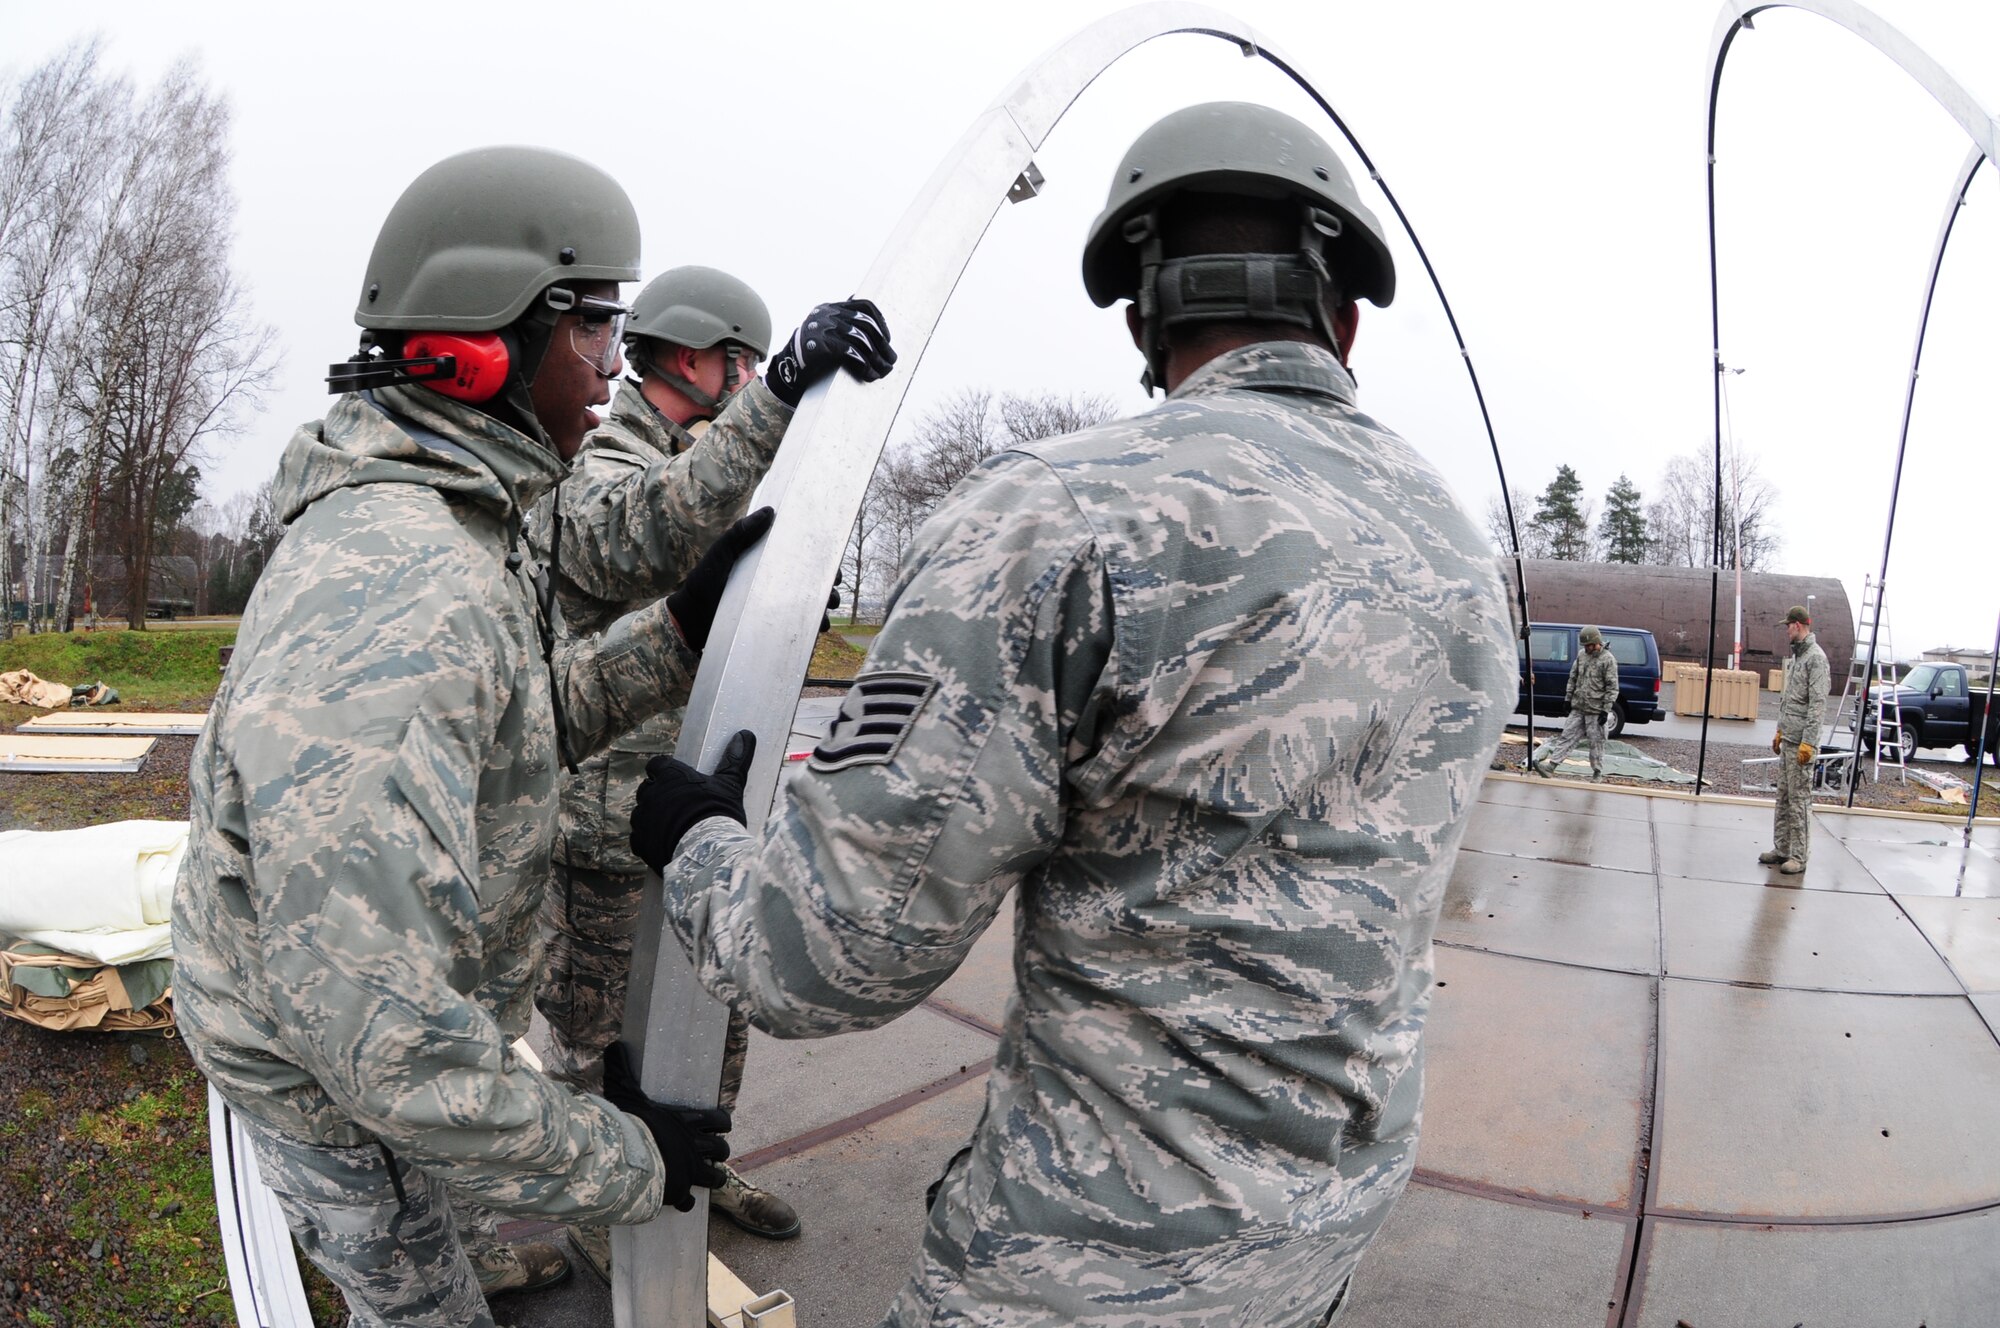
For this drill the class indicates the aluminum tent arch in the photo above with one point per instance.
(750, 675)
(1979, 125)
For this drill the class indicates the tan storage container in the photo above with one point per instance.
(1733, 695)
(1777, 681)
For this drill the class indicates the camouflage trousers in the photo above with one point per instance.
(1791, 822)
(387, 1234)
(588, 920)
(1579, 728)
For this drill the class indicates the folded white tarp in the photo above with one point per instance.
(103, 892)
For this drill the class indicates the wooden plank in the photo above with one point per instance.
(131, 722)
(63, 753)
(727, 1295)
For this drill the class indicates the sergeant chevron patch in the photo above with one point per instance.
(873, 720)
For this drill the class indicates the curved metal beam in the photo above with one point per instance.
(749, 677)
(1967, 172)
(256, 1243)
(1979, 125)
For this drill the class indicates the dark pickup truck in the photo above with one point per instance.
(1940, 709)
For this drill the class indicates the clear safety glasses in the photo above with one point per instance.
(599, 333)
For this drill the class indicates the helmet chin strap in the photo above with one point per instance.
(1290, 289)
(704, 401)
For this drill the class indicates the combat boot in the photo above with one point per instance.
(1539, 767)
(758, 1212)
(529, 1265)
(1793, 867)
(594, 1244)
(1770, 857)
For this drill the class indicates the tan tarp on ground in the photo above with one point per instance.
(23, 688)
(97, 998)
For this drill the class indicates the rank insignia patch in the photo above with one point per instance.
(873, 720)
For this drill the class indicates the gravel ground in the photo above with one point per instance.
(110, 1210)
(1725, 774)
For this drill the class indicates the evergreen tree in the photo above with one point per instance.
(1623, 532)
(1562, 517)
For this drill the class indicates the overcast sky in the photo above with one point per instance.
(1551, 159)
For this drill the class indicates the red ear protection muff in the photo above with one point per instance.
(479, 363)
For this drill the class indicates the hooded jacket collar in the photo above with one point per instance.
(409, 435)
(1282, 366)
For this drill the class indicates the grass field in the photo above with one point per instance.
(151, 670)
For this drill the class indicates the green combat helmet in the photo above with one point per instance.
(1245, 150)
(479, 235)
(1590, 636)
(475, 264)
(697, 307)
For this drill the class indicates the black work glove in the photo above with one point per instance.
(690, 1138)
(850, 335)
(832, 603)
(693, 605)
(675, 797)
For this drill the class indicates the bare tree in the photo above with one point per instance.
(168, 356)
(947, 443)
(1534, 539)
(1682, 520)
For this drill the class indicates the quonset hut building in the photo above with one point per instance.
(1672, 604)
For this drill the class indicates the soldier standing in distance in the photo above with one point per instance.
(643, 498)
(1214, 688)
(1592, 691)
(1801, 712)
(374, 796)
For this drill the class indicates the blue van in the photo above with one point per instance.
(1554, 646)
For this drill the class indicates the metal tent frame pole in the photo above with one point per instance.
(1979, 125)
(749, 676)
(1979, 750)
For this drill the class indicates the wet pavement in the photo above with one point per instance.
(1666, 1086)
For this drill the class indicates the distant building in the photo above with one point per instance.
(1672, 603)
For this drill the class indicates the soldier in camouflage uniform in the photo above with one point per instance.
(1801, 713)
(1592, 691)
(374, 797)
(644, 497)
(1214, 688)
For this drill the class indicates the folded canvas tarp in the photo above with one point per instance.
(85, 941)
(23, 688)
(103, 892)
(67, 993)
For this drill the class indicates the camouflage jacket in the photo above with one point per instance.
(374, 799)
(642, 502)
(1593, 681)
(1214, 688)
(1802, 705)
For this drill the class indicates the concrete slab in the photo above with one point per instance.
(1717, 854)
(790, 1088)
(1451, 1260)
(1589, 841)
(1940, 1273)
(1549, 910)
(1536, 1077)
(1818, 939)
(1989, 1009)
(1890, 829)
(1710, 814)
(1544, 795)
(1965, 931)
(865, 1215)
(1930, 869)
(985, 981)
(1822, 1105)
